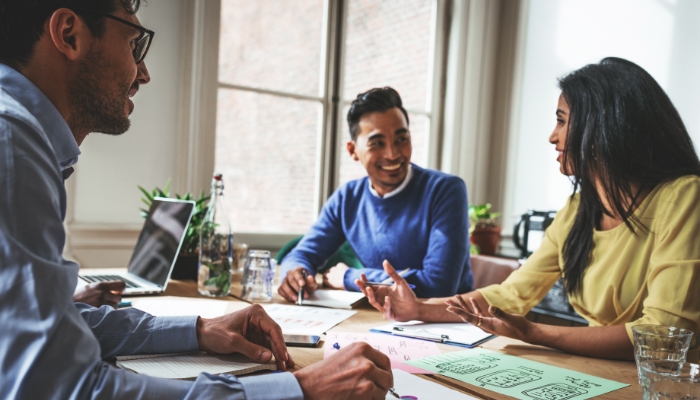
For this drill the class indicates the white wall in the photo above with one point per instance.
(111, 167)
(662, 36)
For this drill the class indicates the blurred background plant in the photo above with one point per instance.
(191, 243)
(484, 232)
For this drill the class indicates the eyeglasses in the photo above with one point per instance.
(143, 42)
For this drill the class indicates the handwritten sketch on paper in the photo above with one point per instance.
(302, 320)
(398, 349)
(515, 376)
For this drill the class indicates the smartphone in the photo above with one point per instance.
(301, 340)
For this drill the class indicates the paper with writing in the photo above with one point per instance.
(515, 376)
(302, 320)
(189, 365)
(398, 349)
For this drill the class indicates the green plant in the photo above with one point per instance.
(480, 216)
(191, 243)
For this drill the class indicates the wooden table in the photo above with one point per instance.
(367, 317)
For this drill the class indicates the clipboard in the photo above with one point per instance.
(453, 334)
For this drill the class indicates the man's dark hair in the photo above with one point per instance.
(373, 100)
(22, 22)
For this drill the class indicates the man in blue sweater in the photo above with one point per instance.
(414, 218)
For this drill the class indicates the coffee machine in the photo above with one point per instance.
(528, 232)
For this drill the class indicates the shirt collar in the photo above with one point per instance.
(36, 102)
(396, 191)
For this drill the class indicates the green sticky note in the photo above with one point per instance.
(515, 376)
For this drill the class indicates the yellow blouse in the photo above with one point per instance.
(649, 278)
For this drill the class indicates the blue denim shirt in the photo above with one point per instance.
(50, 347)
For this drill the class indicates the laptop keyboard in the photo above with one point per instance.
(104, 278)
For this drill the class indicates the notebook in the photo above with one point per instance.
(189, 365)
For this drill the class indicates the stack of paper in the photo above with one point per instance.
(189, 365)
(301, 320)
(334, 299)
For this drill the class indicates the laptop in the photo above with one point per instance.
(156, 250)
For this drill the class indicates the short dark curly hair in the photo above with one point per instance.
(373, 100)
(22, 22)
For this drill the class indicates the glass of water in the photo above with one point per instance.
(660, 343)
(670, 380)
(257, 277)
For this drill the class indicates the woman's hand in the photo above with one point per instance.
(495, 321)
(396, 302)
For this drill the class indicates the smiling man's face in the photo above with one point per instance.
(383, 146)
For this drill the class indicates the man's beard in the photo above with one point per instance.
(95, 109)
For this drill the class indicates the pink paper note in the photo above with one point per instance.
(398, 349)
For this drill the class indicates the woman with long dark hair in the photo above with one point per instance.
(627, 243)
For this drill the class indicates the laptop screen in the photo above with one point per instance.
(160, 239)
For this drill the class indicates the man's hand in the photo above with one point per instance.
(250, 331)
(397, 302)
(289, 287)
(98, 294)
(334, 278)
(495, 321)
(355, 372)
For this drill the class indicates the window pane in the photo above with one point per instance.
(351, 169)
(271, 44)
(388, 43)
(266, 149)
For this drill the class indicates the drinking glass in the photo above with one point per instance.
(670, 380)
(257, 277)
(240, 253)
(659, 343)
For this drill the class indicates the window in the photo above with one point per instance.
(276, 101)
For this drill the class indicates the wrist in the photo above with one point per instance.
(537, 334)
(199, 327)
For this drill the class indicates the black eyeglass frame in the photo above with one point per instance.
(145, 33)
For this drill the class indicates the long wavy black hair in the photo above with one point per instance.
(625, 133)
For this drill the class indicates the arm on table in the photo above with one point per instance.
(318, 245)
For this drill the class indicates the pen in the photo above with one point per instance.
(392, 391)
(401, 274)
(300, 298)
(386, 284)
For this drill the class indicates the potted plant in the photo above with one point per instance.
(187, 262)
(484, 232)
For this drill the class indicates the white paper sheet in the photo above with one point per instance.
(334, 299)
(461, 333)
(302, 320)
(174, 307)
(189, 365)
(411, 387)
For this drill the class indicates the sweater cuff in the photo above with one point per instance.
(349, 279)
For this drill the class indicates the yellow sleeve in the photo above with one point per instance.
(673, 280)
(528, 285)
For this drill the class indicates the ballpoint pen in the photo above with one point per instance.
(300, 298)
(392, 391)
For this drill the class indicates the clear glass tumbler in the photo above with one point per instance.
(660, 343)
(667, 380)
(257, 277)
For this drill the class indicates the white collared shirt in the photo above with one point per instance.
(396, 191)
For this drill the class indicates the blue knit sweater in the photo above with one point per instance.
(424, 228)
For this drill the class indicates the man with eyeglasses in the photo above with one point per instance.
(69, 68)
